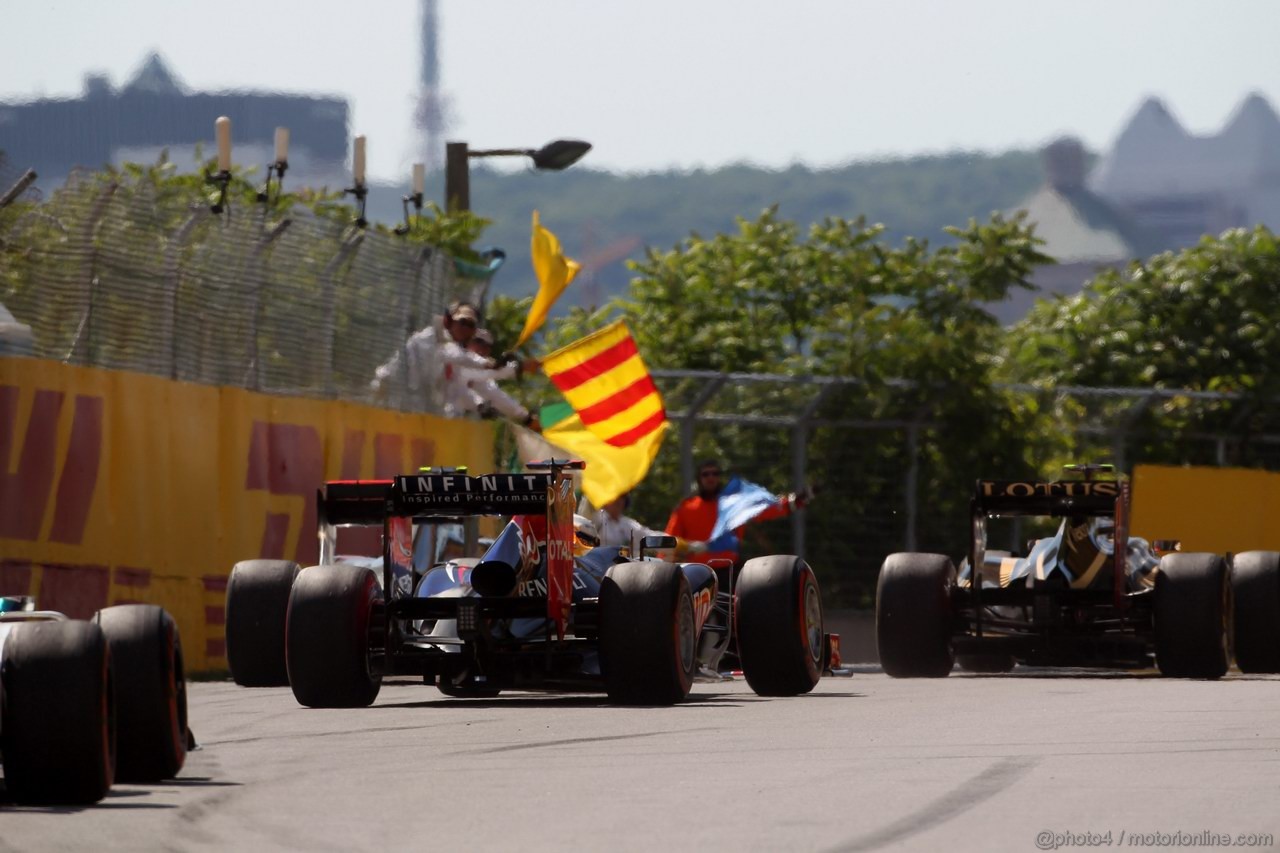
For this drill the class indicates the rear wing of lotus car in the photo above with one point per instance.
(1087, 498)
(1052, 498)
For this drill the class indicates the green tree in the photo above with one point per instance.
(839, 300)
(1206, 319)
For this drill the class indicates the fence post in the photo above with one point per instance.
(253, 372)
(329, 299)
(687, 422)
(1120, 437)
(912, 484)
(172, 274)
(800, 463)
(80, 345)
(11, 195)
(410, 328)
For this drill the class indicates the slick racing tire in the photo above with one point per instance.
(151, 691)
(1191, 597)
(913, 615)
(779, 626)
(985, 663)
(329, 637)
(1255, 595)
(257, 600)
(648, 639)
(59, 727)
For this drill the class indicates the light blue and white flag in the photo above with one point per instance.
(740, 501)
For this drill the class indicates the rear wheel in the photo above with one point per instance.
(151, 691)
(913, 615)
(257, 601)
(648, 640)
(1191, 616)
(779, 626)
(1255, 596)
(328, 637)
(58, 731)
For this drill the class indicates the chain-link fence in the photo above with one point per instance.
(125, 272)
(890, 480)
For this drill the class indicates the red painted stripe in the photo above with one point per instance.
(215, 615)
(215, 648)
(631, 436)
(79, 472)
(15, 576)
(388, 454)
(600, 363)
(352, 453)
(275, 536)
(215, 583)
(618, 403)
(132, 577)
(24, 494)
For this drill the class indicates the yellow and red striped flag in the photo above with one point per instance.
(604, 379)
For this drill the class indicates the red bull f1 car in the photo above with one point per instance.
(530, 614)
(1090, 595)
(84, 704)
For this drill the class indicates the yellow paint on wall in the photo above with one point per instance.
(1217, 510)
(170, 509)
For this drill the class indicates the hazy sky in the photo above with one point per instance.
(688, 83)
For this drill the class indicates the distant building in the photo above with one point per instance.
(155, 111)
(1180, 187)
(1082, 231)
(1158, 188)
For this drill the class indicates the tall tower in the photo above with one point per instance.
(431, 116)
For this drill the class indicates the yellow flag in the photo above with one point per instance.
(554, 272)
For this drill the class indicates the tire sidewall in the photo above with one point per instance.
(328, 637)
(779, 645)
(151, 691)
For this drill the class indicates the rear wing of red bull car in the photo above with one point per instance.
(543, 495)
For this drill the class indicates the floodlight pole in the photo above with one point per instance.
(457, 177)
(554, 156)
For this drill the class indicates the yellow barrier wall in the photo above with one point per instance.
(1208, 509)
(119, 487)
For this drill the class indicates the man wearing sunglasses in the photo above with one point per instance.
(436, 364)
(694, 519)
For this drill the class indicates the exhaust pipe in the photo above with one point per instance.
(493, 579)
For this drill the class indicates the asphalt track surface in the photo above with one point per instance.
(863, 763)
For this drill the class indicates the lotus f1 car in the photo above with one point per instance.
(1090, 595)
(86, 703)
(529, 615)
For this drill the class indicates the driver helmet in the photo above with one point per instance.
(585, 535)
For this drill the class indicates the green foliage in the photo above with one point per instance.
(1206, 318)
(591, 210)
(838, 300)
(453, 232)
